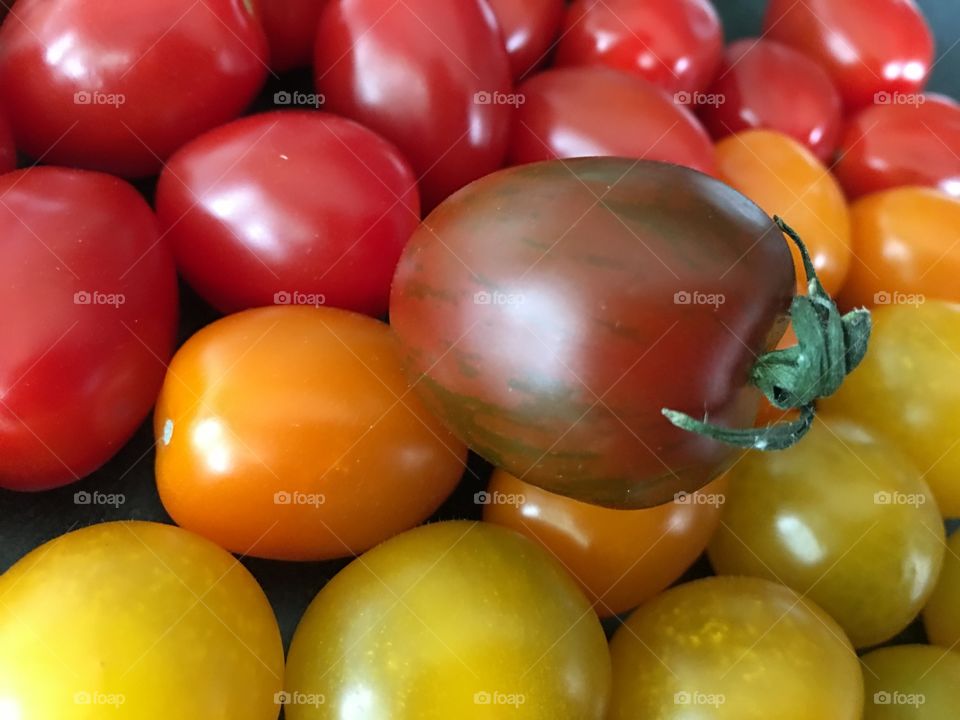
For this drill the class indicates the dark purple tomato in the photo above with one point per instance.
(528, 29)
(549, 312)
(88, 308)
(289, 208)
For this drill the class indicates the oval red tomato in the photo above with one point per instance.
(119, 89)
(529, 29)
(289, 208)
(88, 306)
(291, 28)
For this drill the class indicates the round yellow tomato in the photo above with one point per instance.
(136, 621)
(290, 433)
(911, 682)
(941, 617)
(784, 178)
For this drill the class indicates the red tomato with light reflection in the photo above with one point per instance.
(88, 308)
(433, 77)
(594, 111)
(766, 85)
(289, 208)
(528, 29)
(291, 27)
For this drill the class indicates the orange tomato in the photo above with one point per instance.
(784, 178)
(620, 557)
(907, 247)
(289, 433)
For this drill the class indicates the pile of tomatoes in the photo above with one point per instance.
(494, 245)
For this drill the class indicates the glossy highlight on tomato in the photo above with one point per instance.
(529, 29)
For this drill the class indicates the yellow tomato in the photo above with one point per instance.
(941, 617)
(911, 682)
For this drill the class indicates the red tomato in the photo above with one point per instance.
(253, 222)
(8, 152)
(117, 87)
(902, 144)
(579, 112)
(528, 29)
(88, 300)
(675, 44)
(867, 46)
(291, 28)
(431, 76)
(767, 85)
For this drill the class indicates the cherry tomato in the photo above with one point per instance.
(291, 28)
(941, 617)
(289, 433)
(867, 46)
(729, 648)
(88, 311)
(841, 517)
(253, 223)
(675, 44)
(905, 242)
(119, 90)
(891, 145)
(619, 557)
(451, 620)
(8, 152)
(911, 682)
(784, 178)
(432, 77)
(764, 84)
(529, 29)
(906, 390)
(136, 620)
(549, 313)
(567, 113)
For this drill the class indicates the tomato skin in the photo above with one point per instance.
(889, 146)
(8, 151)
(393, 623)
(768, 85)
(566, 113)
(562, 300)
(620, 558)
(675, 44)
(88, 312)
(291, 28)
(274, 423)
(911, 682)
(905, 391)
(867, 46)
(117, 90)
(901, 238)
(679, 651)
(529, 29)
(416, 73)
(784, 178)
(250, 219)
(941, 616)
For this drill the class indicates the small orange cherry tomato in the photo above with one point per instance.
(784, 178)
(619, 557)
(289, 433)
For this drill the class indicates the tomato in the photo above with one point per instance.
(903, 240)
(911, 682)
(675, 44)
(891, 145)
(8, 152)
(432, 77)
(88, 311)
(451, 620)
(566, 113)
(784, 178)
(291, 28)
(529, 29)
(941, 616)
(733, 649)
(288, 433)
(869, 47)
(764, 84)
(136, 620)
(619, 557)
(120, 90)
(253, 223)
(549, 329)
(906, 390)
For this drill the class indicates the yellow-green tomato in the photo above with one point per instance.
(941, 617)
(728, 648)
(449, 621)
(911, 682)
(841, 517)
(136, 621)
(907, 388)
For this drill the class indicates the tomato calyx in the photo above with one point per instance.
(829, 347)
